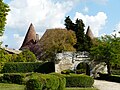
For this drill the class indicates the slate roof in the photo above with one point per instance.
(89, 33)
(30, 38)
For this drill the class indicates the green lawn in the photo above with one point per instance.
(4, 86)
(81, 89)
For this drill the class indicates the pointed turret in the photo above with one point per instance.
(30, 38)
(89, 33)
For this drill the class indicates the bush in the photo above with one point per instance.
(68, 71)
(80, 71)
(44, 82)
(34, 84)
(16, 78)
(25, 56)
(109, 78)
(74, 80)
(115, 72)
(62, 81)
(25, 67)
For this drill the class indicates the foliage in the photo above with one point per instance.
(16, 78)
(69, 24)
(4, 9)
(83, 41)
(62, 81)
(55, 41)
(115, 72)
(34, 84)
(4, 57)
(21, 67)
(74, 80)
(109, 78)
(107, 50)
(68, 71)
(25, 56)
(43, 82)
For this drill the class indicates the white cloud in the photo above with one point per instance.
(95, 22)
(18, 40)
(42, 13)
(117, 30)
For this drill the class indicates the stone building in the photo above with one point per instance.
(67, 59)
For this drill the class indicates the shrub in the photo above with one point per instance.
(25, 67)
(25, 56)
(44, 82)
(74, 80)
(62, 81)
(16, 78)
(115, 72)
(34, 84)
(109, 78)
(80, 71)
(68, 71)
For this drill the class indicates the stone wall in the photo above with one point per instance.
(70, 60)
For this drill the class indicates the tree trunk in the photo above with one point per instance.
(108, 68)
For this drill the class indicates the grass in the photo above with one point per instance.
(81, 89)
(4, 86)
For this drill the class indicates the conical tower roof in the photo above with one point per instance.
(89, 33)
(30, 37)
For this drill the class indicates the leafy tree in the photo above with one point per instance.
(25, 56)
(4, 57)
(107, 49)
(54, 41)
(4, 9)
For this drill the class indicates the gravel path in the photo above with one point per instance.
(106, 85)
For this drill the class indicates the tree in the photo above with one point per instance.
(55, 41)
(83, 41)
(69, 24)
(107, 49)
(25, 56)
(80, 35)
(4, 9)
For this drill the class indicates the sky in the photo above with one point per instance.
(102, 16)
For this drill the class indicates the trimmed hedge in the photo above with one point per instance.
(62, 81)
(75, 80)
(109, 78)
(44, 82)
(115, 72)
(16, 78)
(25, 67)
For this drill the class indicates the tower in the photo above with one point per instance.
(89, 33)
(30, 38)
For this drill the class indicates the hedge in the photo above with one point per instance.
(115, 72)
(62, 81)
(75, 80)
(44, 82)
(16, 78)
(109, 78)
(25, 67)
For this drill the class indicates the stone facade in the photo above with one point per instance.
(70, 60)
